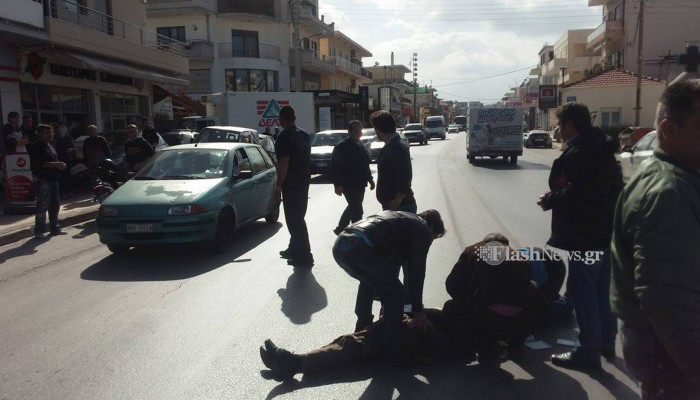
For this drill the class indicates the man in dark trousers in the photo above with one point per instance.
(656, 254)
(293, 149)
(394, 170)
(585, 183)
(136, 149)
(350, 174)
(373, 250)
(46, 170)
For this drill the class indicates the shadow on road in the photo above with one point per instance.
(498, 164)
(302, 296)
(173, 262)
(86, 230)
(26, 249)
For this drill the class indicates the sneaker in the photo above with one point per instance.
(286, 253)
(573, 360)
(41, 236)
(283, 363)
(57, 232)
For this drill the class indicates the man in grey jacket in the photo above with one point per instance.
(656, 254)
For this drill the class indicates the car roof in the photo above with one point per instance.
(332, 132)
(212, 145)
(231, 128)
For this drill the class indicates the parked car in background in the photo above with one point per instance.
(537, 138)
(237, 134)
(368, 136)
(632, 156)
(454, 128)
(377, 146)
(179, 136)
(630, 136)
(191, 193)
(415, 133)
(322, 150)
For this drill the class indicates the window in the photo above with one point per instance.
(610, 117)
(244, 44)
(242, 162)
(251, 80)
(75, 6)
(120, 110)
(173, 32)
(643, 143)
(259, 7)
(257, 160)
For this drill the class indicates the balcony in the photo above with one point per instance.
(267, 51)
(73, 25)
(202, 50)
(167, 8)
(311, 21)
(312, 61)
(25, 12)
(350, 68)
(609, 31)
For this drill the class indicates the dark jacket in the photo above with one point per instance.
(404, 239)
(295, 144)
(656, 259)
(585, 183)
(95, 149)
(136, 151)
(149, 133)
(40, 153)
(63, 144)
(9, 137)
(394, 173)
(350, 164)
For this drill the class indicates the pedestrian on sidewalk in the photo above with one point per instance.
(656, 254)
(137, 150)
(12, 136)
(65, 149)
(585, 183)
(351, 173)
(46, 170)
(293, 149)
(394, 170)
(95, 148)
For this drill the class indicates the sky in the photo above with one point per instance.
(469, 50)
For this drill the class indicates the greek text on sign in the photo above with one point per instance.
(269, 111)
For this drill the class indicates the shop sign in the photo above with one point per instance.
(35, 65)
(324, 118)
(117, 79)
(548, 96)
(18, 179)
(269, 111)
(72, 72)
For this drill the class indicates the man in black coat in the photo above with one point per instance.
(585, 183)
(136, 149)
(351, 173)
(46, 170)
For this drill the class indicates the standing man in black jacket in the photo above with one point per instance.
(585, 183)
(394, 171)
(293, 149)
(350, 174)
(46, 170)
(137, 150)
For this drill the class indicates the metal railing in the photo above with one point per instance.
(88, 18)
(347, 65)
(267, 51)
(198, 48)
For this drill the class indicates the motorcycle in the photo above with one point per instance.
(108, 178)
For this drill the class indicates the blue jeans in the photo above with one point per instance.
(589, 289)
(46, 200)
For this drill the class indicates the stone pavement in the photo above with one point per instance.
(79, 208)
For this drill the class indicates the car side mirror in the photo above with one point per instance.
(243, 175)
(627, 149)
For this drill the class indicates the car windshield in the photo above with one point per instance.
(435, 123)
(186, 164)
(322, 139)
(413, 127)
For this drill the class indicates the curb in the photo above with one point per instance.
(29, 231)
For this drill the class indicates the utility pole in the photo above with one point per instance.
(415, 85)
(640, 65)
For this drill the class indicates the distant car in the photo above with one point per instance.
(377, 146)
(368, 136)
(537, 138)
(322, 149)
(632, 156)
(236, 134)
(179, 136)
(435, 126)
(454, 128)
(415, 133)
(191, 193)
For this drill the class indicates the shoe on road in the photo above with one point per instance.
(286, 253)
(573, 360)
(42, 236)
(283, 364)
(306, 261)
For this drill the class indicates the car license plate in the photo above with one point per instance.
(139, 228)
(322, 164)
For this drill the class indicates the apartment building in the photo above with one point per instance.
(569, 59)
(668, 26)
(388, 91)
(83, 62)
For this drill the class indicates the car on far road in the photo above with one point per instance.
(179, 136)
(368, 136)
(453, 128)
(537, 138)
(632, 156)
(415, 133)
(322, 150)
(377, 146)
(191, 193)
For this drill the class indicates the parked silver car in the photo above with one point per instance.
(631, 157)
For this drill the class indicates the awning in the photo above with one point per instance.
(190, 106)
(117, 68)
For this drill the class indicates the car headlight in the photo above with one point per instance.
(107, 211)
(187, 210)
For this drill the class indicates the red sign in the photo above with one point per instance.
(19, 189)
(407, 111)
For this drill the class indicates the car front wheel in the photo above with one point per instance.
(224, 232)
(118, 248)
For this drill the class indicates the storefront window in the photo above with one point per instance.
(48, 98)
(120, 110)
(251, 80)
(53, 104)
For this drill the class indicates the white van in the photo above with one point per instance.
(435, 127)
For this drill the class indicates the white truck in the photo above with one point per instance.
(259, 110)
(495, 132)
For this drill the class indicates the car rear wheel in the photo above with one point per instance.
(118, 248)
(224, 231)
(274, 215)
(513, 160)
(470, 157)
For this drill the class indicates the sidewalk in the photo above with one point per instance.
(77, 209)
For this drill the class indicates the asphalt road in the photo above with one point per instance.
(179, 323)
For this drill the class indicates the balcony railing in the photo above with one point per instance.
(200, 49)
(267, 51)
(600, 33)
(347, 65)
(74, 13)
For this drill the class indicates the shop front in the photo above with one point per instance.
(335, 109)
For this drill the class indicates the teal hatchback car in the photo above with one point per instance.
(191, 193)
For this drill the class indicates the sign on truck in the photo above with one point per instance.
(495, 132)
